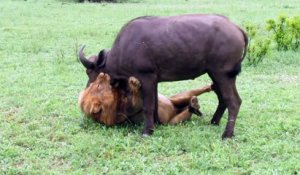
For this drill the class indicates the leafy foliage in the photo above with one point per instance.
(95, 0)
(294, 25)
(115, 1)
(258, 47)
(286, 32)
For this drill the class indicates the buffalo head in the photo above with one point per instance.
(94, 64)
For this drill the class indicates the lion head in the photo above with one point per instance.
(99, 100)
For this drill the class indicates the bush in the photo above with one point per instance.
(286, 32)
(116, 1)
(294, 25)
(258, 47)
(97, 1)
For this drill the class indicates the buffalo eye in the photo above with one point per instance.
(88, 71)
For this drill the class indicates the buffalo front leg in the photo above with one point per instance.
(149, 94)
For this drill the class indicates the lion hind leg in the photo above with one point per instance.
(183, 99)
(181, 117)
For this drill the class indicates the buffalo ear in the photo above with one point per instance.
(101, 58)
(114, 83)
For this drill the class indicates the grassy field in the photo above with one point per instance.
(42, 131)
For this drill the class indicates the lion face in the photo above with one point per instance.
(99, 100)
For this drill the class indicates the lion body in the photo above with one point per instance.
(111, 106)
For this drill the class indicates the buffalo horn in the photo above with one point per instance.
(86, 63)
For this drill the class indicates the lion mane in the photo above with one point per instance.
(100, 100)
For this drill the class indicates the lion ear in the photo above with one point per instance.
(91, 109)
(101, 58)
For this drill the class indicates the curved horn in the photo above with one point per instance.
(86, 63)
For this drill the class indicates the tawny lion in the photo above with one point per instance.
(111, 106)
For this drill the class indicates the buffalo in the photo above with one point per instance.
(159, 49)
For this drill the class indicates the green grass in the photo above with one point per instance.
(42, 130)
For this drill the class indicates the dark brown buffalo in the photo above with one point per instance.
(157, 49)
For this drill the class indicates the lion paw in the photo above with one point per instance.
(102, 77)
(194, 102)
(194, 106)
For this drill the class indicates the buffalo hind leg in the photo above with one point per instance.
(229, 97)
(150, 102)
(221, 106)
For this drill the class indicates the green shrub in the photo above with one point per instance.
(258, 47)
(115, 1)
(286, 32)
(294, 25)
(96, 0)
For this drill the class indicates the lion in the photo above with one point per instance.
(113, 105)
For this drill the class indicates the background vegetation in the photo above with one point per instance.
(43, 132)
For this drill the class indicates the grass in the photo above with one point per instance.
(42, 130)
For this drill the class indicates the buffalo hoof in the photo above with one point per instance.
(145, 135)
(227, 135)
(147, 132)
(214, 122)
